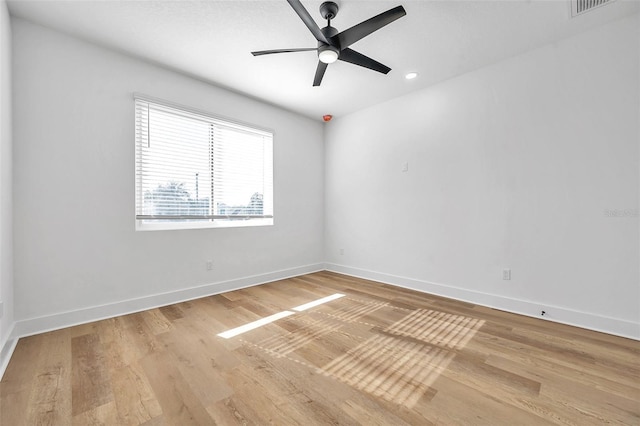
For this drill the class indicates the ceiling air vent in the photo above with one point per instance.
(578, 7)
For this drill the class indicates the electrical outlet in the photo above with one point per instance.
(209, 265)
(405, 166)
(341, 251)
(506, 274)
(1, 309)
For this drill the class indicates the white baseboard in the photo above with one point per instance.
(6, 350)
(558, 314)
(31, 326)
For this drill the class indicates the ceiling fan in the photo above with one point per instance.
(334, 45)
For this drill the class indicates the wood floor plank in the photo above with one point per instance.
(140, 336)
(225, 412)
(476, 408)
(179, 404)
(19, 374)
(198, 364)
(156, 321)
(379, 355)
(120, 346)
(50, 399)
(91, 384)
(528, 352)
(135, 400)
(614, 405)
(172, 312)
(105, 414)
(18, 381)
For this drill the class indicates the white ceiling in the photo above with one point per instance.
(212, 41)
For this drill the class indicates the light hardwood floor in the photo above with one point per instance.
(378, 355)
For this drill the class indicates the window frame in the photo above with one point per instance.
(143, 223)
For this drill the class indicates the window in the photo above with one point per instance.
(197, 171)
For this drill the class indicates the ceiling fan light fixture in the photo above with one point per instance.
(328, 54)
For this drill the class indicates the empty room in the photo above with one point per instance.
(297, 212)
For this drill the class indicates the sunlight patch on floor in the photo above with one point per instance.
(399, 369)
(317, 302)
(437, 328)
(267, 320)
(255, 324)
(398, 363)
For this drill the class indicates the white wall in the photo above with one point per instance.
(511, 166)
(6, 204)
(75, 243)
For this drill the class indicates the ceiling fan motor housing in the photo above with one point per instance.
(328, 10)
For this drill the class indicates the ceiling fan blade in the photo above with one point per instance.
(269, 52)
(347, 37)
(353, 57)
(322, 67)
(308, 20)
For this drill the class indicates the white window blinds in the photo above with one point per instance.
(195, 168)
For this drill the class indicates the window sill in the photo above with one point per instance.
(172, 226)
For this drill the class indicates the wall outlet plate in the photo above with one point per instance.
(1, 309)
(506, 274)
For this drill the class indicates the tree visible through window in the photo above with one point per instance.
(192, 168)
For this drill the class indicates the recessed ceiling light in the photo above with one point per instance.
(411, 75)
